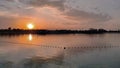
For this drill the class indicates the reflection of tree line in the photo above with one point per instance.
(10, 31)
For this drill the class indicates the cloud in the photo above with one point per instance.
(71, 14)
(80, 15)
(59, 4)
(49, 10)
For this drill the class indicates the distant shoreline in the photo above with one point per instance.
(44, 32)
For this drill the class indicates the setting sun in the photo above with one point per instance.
(30, 26)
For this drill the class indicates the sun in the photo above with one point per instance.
(30, 26)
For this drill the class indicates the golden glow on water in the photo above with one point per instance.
(30, 37)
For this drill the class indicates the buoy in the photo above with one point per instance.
(64, 47)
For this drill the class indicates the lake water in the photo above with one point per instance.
(60, 51)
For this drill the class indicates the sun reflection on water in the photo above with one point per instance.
(30, 37)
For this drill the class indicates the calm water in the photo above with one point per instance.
(60, 51)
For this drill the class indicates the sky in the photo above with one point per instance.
(60, 14)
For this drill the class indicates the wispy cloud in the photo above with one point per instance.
(74, 14)
(60, 4)
(80, 15)
(36, 8)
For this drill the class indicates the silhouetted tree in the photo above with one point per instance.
(9, 28)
